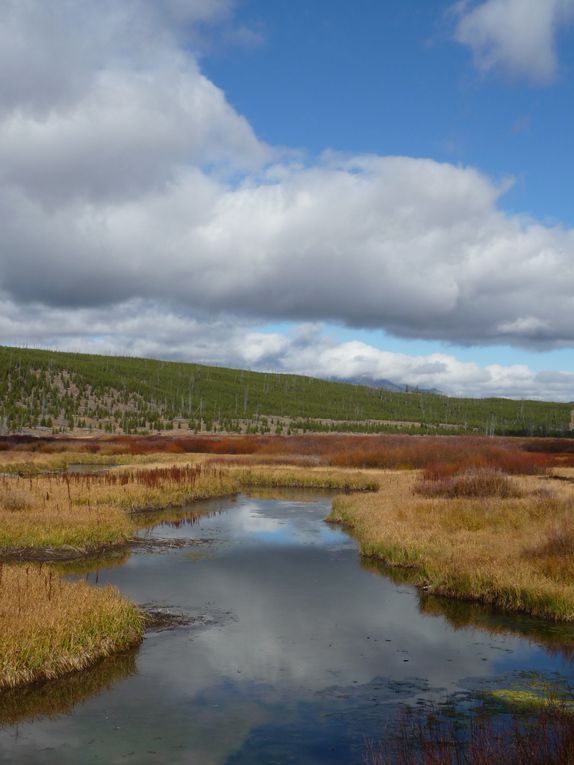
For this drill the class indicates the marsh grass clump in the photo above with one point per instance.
(554, 552)
(559, 540)
(50, 627)
(509, 552)
(475, 482)
(15, 498)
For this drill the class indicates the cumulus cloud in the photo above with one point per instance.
(135, 203)
(411, 245)
(518, 37)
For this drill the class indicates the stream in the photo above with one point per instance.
(285, 648)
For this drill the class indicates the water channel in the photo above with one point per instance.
(289, 650)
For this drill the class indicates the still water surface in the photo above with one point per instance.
(297, 652)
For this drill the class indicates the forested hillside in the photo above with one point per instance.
(63, 391)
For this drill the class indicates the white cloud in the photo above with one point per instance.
(518, 37)
(192, 11)
(413, 246)
(100, 104)
(135, 202)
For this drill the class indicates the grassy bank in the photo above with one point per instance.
(72, 515)
(39, 517)
(515, 551)
(50, 627)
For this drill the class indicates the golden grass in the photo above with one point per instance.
(77, 515)
(38, 514)
(49, 626)
(304, 478)
(512, 553)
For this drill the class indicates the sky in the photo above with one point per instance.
(352, 190)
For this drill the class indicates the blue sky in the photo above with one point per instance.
(365, 189)
(389, 78)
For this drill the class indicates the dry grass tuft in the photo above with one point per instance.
(14, 498)
(559, 541)
(475, 482)
(49, 626)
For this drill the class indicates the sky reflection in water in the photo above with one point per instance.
(303, 652)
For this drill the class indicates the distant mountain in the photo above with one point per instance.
(371, 382)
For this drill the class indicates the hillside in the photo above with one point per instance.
(54, 391)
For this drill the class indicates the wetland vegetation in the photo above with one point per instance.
(63, 516)
(51, 626)
(475, 519)
(511, 549)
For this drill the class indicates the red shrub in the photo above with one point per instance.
(481, 482)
